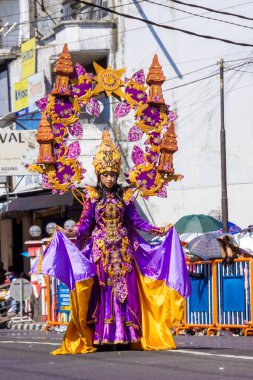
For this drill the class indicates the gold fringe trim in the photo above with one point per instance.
(76, 197)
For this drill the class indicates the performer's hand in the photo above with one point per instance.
(71, 232)
(168, 228)
(59, 228)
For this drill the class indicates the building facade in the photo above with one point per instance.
(191, 66)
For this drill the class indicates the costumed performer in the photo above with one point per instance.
(123, 290)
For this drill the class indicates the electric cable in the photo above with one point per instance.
(215, 110)
(163, 26)
(200, 79)
(213, 10)
(44, 10)
(198, 15)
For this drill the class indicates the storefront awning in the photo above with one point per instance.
(7, 120)
(41, 201)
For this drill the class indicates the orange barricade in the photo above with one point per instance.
(57, 303)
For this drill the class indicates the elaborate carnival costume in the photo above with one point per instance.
(123, 290)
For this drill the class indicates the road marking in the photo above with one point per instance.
(210, 354)
(172, 351)
(24, 342)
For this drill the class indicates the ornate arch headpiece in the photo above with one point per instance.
(58, 163)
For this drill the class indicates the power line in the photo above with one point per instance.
(60, 4)
(45, 18)
(163, 26)
(199, 128)
(213, 10)
(28, 11)
(209, 76)
(197, 15)
(197, 80)
(44, 10)
(125, 31)
(192, 72)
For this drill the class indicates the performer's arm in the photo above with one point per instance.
(141, 224)
(85, 222)
(87, 217)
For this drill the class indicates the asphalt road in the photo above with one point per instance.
(26, 355)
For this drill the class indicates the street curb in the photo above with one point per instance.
(25, 326)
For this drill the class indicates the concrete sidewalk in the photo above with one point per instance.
(25, 325)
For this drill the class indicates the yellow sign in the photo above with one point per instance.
(65, 308)
(21, 96)
(28, 58)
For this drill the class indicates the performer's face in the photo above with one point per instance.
(108, 180)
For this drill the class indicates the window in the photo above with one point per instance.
(76, 11)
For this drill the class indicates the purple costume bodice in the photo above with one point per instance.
(109, 222)
(109, 218)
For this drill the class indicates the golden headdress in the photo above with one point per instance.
(107, 158)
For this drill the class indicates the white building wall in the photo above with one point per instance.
(198, 106)
(133, 46)
(9, 13)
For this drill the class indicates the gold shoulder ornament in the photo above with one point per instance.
(91, 192)
(128, 195)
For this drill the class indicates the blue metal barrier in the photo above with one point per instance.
(234, 294)
(199, 309)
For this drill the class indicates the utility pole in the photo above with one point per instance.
(224, 198)
(32, 8)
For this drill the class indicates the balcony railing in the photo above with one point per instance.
(84, 13)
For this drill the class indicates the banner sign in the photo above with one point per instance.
(17, 149)
(26, 182)
(27, 92)
(63, 299)
(36, 89)
(21, 96)
(28, 58)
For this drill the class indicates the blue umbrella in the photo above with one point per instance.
(232, 229)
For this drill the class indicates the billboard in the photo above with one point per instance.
(26, 182)
(26, 93)
(28, 58)
(17, 149)
(21, 96)
(36, 89)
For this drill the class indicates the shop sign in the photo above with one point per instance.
(28, 58)
(63, 299)
(17, 150)
(21, 96)
(27, 92)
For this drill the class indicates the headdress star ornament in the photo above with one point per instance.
(107, 158)
(108, 81)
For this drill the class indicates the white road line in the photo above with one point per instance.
(190, 352)
(24, 342)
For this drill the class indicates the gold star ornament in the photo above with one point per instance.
(108, 81)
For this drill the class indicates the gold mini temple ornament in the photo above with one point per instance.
(155, 79)
(63, 69)
(45, 138)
